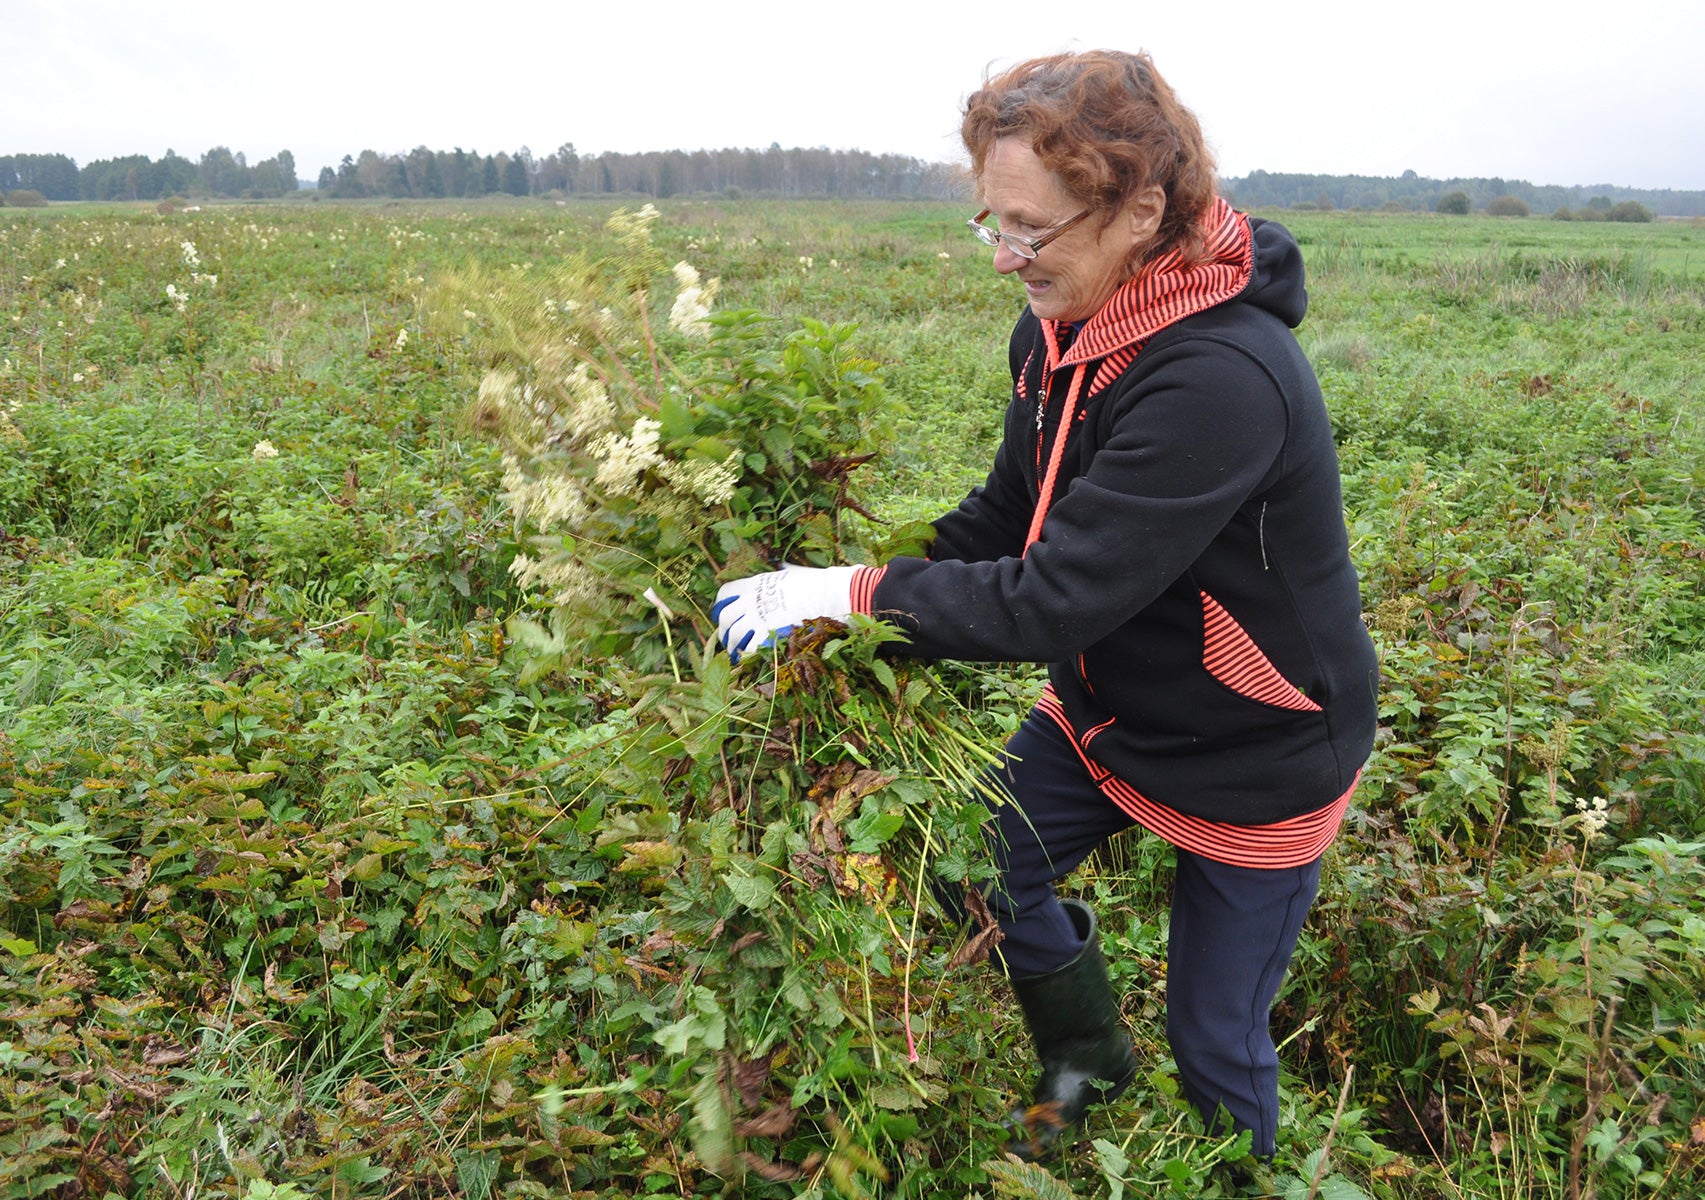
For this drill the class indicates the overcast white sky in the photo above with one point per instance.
(1556, 91)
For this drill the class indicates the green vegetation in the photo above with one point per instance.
(1507, 206)
(1410, 192)
(332, 862)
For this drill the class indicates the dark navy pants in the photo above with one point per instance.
(1232, 935)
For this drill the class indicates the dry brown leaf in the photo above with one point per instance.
(774, 1121)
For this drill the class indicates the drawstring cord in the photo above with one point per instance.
(1060, 433)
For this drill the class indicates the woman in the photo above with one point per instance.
(1162, 526)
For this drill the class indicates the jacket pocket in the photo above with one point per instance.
(1231, 656)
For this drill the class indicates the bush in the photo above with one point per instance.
(1589, 213)
(1507, 206)
(1454, 203)
(1631, 211)
(26, 198)
(1562, 213)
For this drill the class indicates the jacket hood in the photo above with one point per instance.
(1276, 283)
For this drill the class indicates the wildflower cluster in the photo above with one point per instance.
(645, 454)
(180, 297)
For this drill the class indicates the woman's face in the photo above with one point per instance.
(1076, 273)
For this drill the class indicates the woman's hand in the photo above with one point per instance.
(753, 612)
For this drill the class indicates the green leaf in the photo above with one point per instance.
(1113, 1164)
(706, 1025)
(756, 892)
(712, 1126)
(1025, 1181)
(885, 676)
(873, 826)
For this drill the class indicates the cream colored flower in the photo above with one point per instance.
(591, 409)
(711, 483)
(692, 306)
(632, 229)
(623, 460)
(1595, 815)
(263, 450)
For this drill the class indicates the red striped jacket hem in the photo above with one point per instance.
(1294, 842)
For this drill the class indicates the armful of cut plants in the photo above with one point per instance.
(782, 823)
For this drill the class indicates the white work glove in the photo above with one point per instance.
(752, 613)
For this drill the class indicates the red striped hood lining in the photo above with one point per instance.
(1166, 291)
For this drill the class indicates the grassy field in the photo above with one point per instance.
(325, 871)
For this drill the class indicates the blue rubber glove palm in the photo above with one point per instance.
(751, 613)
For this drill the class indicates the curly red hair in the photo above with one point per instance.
(1108, 125)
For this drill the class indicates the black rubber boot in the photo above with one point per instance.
(1085, 1051)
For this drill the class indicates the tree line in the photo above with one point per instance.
(1410, 192)
(423, 173)
(220, 172)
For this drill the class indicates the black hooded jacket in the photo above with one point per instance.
(1191, 586)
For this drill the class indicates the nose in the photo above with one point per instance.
(1006, 262)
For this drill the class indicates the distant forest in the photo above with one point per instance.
(423, 173)
(1410, 192)
(426, 174)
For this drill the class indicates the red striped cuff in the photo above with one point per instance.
(864, 581)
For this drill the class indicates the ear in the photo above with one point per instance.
(1144, 212)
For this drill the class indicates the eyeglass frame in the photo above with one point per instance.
(1024, 247)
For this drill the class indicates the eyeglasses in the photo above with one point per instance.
(1024, 247)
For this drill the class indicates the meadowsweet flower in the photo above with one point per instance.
(548, 502)
(623, 460)
(76, 377)
(591, 410)
(805, 261)
(711, 483)
(570, 582)
(263, 450)
(692, 306)
(626, 225)
(943, 254)
(1595, 815)
(402, 339)
(191, 258)
(180, 300)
